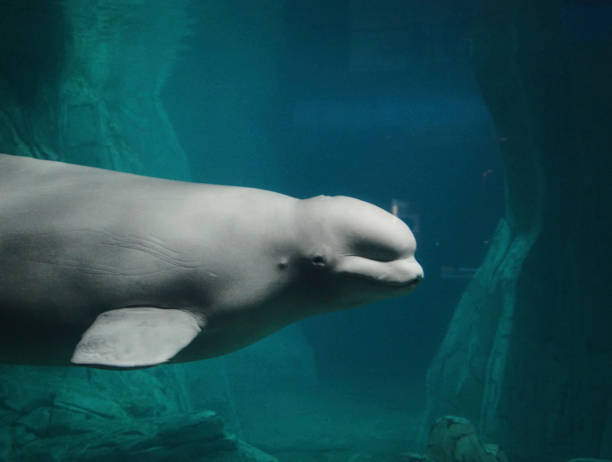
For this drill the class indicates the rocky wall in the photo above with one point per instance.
(527, 355)
(80, 82)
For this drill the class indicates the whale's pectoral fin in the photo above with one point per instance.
(136, 337)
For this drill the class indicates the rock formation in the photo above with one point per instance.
(82, 84)
(528, 352)
(453, 439)
(51, 432)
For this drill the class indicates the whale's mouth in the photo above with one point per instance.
(414, 282)
(400, 274)
(409, 284)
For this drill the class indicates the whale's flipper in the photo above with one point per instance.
(136, 337)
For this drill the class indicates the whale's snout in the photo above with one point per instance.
(401, 273)
(370, 251)
(416, 280)
(418, 274)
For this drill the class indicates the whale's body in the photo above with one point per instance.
(111, 269)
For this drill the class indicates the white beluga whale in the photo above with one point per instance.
(109, 269)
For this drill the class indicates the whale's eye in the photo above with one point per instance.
(318, 260)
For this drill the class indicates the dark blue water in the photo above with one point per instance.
(377, 103)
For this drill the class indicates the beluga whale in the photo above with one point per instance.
(114, 270)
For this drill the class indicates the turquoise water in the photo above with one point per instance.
(485, 127)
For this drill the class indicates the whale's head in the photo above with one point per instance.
(353, 252)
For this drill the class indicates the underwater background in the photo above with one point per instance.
(486, 126)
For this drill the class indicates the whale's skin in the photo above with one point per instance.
(92, 258)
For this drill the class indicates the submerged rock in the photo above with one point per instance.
(589, 459)
(412, 457)
(195, 437)
(454, 439)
